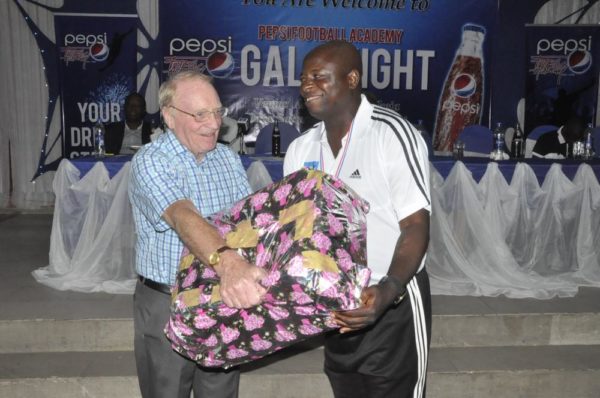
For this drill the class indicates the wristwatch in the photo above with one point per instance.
(397, 285)
(215, 257)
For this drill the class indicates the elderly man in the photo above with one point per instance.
(383, 345)
(176, 181)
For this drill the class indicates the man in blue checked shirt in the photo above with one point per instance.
(175, 181)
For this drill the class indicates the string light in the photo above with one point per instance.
(36, 32)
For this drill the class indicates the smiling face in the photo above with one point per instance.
(194, 95)
(329, 81)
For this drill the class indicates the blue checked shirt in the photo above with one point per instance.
(164, 172)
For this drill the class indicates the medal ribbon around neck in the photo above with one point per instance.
(345, 151)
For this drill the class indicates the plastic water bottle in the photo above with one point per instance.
(99, 150)
(498, 152)
(276, 140)
(517, 143)
(588, 149)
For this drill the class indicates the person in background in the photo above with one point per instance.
(555, 142)
(120, 137)
(382, 347)
(176, 181)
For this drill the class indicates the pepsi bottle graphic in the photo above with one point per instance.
(461, 100)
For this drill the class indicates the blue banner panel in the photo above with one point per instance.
(255, 52)
(97, 70)
(508, 58)
(562, 70)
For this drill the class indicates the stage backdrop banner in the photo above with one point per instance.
(255, 51)
(97, 70)
(562, 70)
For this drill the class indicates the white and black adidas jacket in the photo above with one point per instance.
(384, 159)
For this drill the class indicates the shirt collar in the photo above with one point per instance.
(139, 127)
(363, 113)
(173, 144)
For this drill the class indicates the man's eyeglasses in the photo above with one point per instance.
(203, 116)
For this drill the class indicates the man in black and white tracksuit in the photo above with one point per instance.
(382, 347)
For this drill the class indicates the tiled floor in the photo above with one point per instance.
(24, 247)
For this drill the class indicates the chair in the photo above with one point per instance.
(263, 141)
(228, 130)
(477, 139)
(228, 134)
(533, 136)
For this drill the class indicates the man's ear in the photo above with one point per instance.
(167, 117)
(353, 79)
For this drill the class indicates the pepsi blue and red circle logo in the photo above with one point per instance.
(579, 61)
(99, 52)
(464, 85)
(220, 65)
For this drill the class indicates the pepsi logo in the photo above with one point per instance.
(579, 61)
(99, 52)
(220, 65)
(464, 85)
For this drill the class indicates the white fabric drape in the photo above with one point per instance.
(258, 175)
(92, 244)
(518, 239)
(487, 239)
(25, 101)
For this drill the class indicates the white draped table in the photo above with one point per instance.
(92, 243)
(489, 236)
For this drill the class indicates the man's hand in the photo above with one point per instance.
(240, 287)
(375, 300)
(408, 253)
(240, 281)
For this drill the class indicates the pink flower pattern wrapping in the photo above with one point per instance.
(309, 232)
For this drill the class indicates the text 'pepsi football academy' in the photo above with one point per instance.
(323, 33)
(382, 68)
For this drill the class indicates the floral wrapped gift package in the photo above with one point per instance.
(309, 232)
